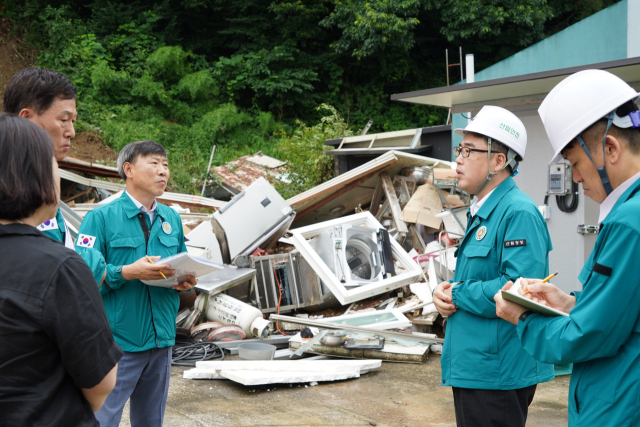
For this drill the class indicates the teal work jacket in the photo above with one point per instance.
(507, 239)
(601, 337)
(141, 317)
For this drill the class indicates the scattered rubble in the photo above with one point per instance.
(353, 262)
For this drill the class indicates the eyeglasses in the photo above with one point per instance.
(466, 151)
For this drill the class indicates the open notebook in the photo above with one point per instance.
(185, 265)
(513, 296)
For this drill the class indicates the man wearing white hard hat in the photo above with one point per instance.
(493, 378)
(592, 121)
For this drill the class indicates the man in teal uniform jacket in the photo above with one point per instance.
(118, 237)
(592, 121)
(48, 99)
(493, 379)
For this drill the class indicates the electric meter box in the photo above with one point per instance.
(559, 179)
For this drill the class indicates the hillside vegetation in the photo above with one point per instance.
(276, 76)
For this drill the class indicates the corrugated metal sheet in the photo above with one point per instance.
(241, 173)
(87, 167)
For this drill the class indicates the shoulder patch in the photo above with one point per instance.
(482, 231)
(86, 241)
(513, 243)
(166, 227)
(51, 224)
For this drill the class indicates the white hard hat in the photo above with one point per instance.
(501, 125)
(579, 101)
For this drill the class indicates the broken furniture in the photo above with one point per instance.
(353, 151)
(344, 193)
(392, 352)
(324, 324)
(282, 371)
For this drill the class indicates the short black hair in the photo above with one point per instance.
(26, 168)
(131, 152)
(36, 88)
(592, 135)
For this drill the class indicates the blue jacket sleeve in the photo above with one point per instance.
(530, 260)
(606, 311)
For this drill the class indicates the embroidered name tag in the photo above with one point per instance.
(512, 243)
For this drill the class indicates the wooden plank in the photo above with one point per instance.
(396, 211)
(378, 164)
(416, 239)
(377, 197)
(383, 210)
(335, 195)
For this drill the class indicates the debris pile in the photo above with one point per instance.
(345, 270)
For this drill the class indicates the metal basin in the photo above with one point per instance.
(420, 173)
(256, 351)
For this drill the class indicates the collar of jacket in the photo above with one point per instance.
(631, 191)
(132, 210)
(495, 197)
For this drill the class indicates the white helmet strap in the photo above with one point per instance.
(491, 174)
(601, 170)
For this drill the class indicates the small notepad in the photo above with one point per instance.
(513, 296)
(185, 265)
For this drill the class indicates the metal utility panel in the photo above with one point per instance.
(250, 215)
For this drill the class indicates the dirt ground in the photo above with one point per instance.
(396, 394)
(89, 147)
(15, 54)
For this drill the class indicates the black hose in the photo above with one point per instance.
(562, 200)
(188, 352)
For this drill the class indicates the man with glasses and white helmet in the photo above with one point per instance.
(592, 121)
(493, 379)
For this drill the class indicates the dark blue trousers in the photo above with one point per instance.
(143, 377)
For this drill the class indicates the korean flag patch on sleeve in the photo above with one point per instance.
(85, 241)
(51, 224)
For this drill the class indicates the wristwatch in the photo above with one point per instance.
(524, 315)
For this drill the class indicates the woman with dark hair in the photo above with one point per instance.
(58, 359)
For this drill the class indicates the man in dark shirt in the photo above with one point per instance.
(58, 358)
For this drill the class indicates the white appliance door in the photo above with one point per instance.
(250, 215)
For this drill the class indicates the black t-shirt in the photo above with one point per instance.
(54, 333)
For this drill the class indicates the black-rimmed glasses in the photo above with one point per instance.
(466, 151)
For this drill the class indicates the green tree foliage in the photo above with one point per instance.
(308, 164)
(251, 75)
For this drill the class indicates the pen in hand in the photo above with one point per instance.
(546, 279)
(161, 273)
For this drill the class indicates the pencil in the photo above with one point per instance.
(545, 280)
(162, 274)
